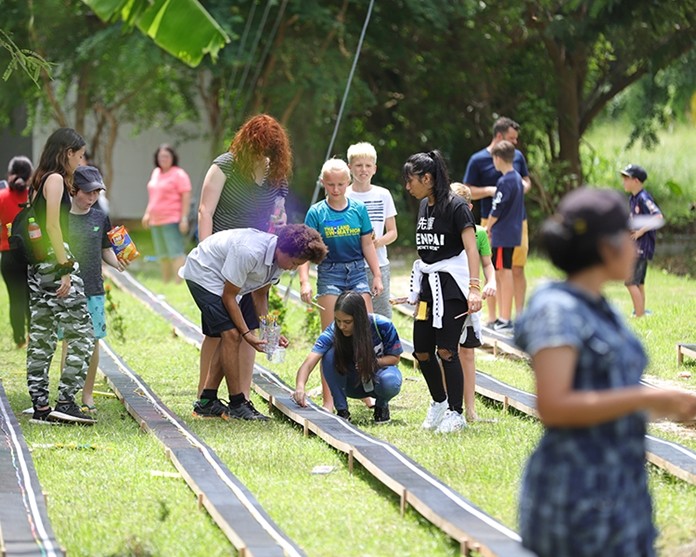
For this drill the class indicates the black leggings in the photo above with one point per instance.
(427, 339)
(15, 276)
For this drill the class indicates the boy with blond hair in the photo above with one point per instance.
(471, 331)
(362, 161)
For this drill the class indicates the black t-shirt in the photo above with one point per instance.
(438, 237)
(87, 240)
(39, 204)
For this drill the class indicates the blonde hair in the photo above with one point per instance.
(335, 165)
(363, 149)
(461, 190)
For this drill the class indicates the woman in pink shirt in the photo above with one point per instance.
(169, 194)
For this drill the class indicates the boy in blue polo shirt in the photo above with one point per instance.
(641, 203)
(504, 227)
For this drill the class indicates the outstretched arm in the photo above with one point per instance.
(303, 373)
(560, 405)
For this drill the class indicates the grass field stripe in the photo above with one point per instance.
(206, 453)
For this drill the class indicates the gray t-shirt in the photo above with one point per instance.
(87, 240)
(243, 256)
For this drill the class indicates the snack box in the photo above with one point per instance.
(124, 248)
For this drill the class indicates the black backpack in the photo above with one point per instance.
(26, 250)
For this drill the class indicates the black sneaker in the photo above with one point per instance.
(246, 411)
(69, 412)
(345, 414)
(212, 409)
(382, 415)
(503, 326)
(43, 416)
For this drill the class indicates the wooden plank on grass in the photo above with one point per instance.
(673, 457)
(24, 525)
(435, 501)
(685, 350)
(231, 505)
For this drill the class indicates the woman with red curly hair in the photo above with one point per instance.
(245, 187)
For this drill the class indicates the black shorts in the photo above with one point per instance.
(214, 316)
(502, 258)
(426, 338)
(639, 272)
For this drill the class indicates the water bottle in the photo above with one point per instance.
(35, 238)
(34, 230)
(277, 215)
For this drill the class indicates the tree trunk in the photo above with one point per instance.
(568, 117)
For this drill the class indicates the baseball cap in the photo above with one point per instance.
(635, 171)
(594, 212)
(88, 178)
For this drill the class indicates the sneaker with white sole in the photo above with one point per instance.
(435, 414)
(42, 416)
(70, 413)
(451, 422)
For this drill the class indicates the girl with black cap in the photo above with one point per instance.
(584, 491)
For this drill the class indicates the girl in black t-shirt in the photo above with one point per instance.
(441, 285)
(56, 290)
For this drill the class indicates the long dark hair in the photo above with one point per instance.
(20, 168)
(357, 348)
(432, 163)
(54, 157)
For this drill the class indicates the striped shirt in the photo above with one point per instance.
(243, 203)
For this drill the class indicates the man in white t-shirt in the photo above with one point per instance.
(218, 272)
(362, 161)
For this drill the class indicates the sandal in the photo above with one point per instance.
(89, 408)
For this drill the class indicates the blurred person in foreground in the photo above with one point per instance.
(584, 490)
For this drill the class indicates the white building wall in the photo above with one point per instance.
(134, 162)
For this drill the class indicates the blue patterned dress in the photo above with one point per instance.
(584, 491)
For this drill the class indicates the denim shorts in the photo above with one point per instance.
(95, 306)
(168, 241)
(335, 278)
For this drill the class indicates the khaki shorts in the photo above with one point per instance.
(519, 256)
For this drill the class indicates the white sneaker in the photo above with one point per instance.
(435, 413)
(452, 421)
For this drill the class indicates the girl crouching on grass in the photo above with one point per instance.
(360, 354)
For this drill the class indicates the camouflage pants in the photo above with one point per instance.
(47, 312)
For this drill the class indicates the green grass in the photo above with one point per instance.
(336, 514)
(670, 165)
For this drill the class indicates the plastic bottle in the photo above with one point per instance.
(35, 237)
(34, 230)
(277, 215)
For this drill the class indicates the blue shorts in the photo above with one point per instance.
(336, 278)
(214, 316)
(95, 306)
(168, 241)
